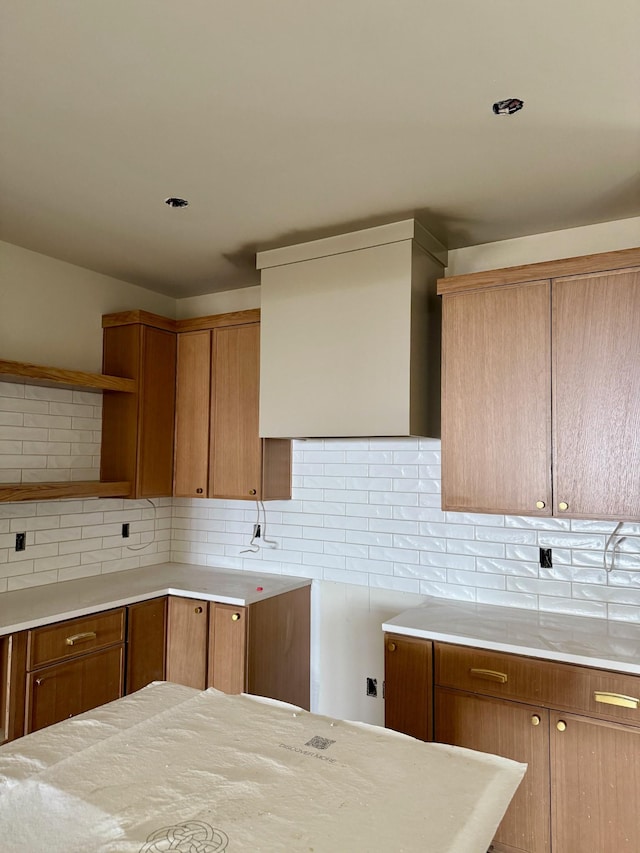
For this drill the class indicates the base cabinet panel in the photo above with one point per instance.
(263, 648)
(596, 785)
(512, 730)
(146, 643)
(187, 631)
(66, 689)
(227, 648)
(408, 686)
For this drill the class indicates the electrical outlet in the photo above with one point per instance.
(546, 561)
(21, 541)
(372, 687)
(125, 530)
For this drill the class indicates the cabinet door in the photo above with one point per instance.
(516, 731)
(595, 772)
(187, 627)
(66, 689)
(228, 648)
(496, 416)
(408, 690)
(596, 395)
(192, 415)
(146, 642)
(236, 468)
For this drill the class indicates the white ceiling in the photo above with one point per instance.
(283, 120)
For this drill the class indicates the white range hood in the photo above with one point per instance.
(350, 335)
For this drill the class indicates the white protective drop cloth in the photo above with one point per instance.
(173, 769)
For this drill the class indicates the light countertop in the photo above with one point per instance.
(582, 640)
(30, 608)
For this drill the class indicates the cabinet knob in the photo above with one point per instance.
(561, 725)
(197, 610)
(540, 504)
(235, 617)
(392, 647)
(198, 491)
(39, 681)
(535, 720)
(252, 491)
(563, 506)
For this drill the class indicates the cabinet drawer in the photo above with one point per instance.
(74, 637)
(69, 688)
(598, 693)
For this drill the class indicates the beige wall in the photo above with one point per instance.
(587, 240)
(219, 303)
(50, 311)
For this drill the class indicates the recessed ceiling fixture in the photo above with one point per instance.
(508, 107)
(176, 202)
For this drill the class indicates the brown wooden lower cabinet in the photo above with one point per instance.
(595, 773)
(187, 636)
(408, 686)
(66, 689)
(513, 730)
(263, 648)
(146, 643)
(577, 728)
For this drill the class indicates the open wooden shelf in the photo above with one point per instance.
(50, 491)
(56, 377)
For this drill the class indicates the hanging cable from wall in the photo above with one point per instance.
(144, 545)
(614, 541)
(259, 535)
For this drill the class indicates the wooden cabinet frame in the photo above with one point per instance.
(218, 451)
(541, 392)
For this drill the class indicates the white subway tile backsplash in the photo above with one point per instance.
(506, 567)
(364, 511)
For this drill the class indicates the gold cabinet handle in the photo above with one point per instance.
(252, 491)
(563, 506)
(392, 647)
(197, 610)
(561, 726)
(616, 699)
(535, 720)
(80, 638)
(235, 617)
(490, 675)
(540, 504)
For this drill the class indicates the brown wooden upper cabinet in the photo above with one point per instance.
(541, 389)
(137, 429)
(218, 452)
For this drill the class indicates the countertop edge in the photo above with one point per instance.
(165, 586)
(511, 648)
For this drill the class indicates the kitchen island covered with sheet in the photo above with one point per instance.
(172, 768)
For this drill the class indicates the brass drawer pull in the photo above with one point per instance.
(561, 726)
(490, 675)
(616, 699)
(197, 609)
(535, 720)
(80, 638)
(392, 647)
(235, 617)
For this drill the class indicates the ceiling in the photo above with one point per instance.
(286, 120)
